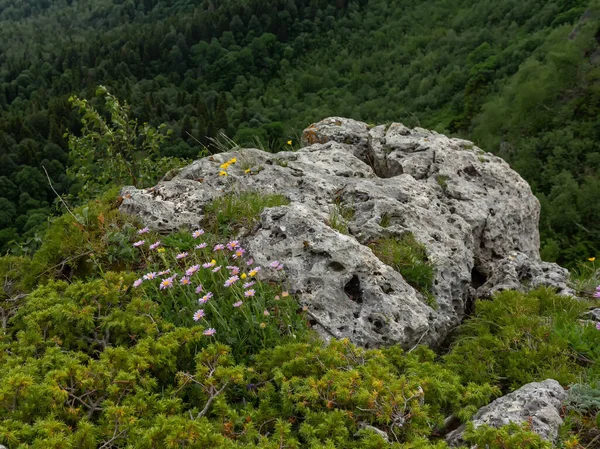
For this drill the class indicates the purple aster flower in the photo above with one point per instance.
(181, 256)
(280, 267)
(139, 243)
(249, 293)
(205, 298)
(215, 269)
(237, 304)
(137, 283)
(191, 270)
(250, 261)
(598, 325)
(232, 280)
(249, 284)
(266, 313)
(199, 289)
(274, 264)
(597, 294)
(199, 314)
(197, 233)
(239, 253)
(233, 245)
(201, 245)
(234, 270)
(210, 331)
(155, 245)
(219, 247)
(166, 283)
(210, 264)
(150, 276)
(185, 281)
(162, 273)
(144, 230)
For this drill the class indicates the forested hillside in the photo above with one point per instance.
(520, 78)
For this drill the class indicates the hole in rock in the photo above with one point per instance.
(356, 314)
(336, 266)
(312, 322)
(353, 290)
(477, 278)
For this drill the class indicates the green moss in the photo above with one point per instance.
(385, 220)
(442, 181)
(409, 257)
(228, 214)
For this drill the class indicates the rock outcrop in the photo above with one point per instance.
(537, 403)
(477, 218)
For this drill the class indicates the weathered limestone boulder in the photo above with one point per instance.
(537, 403)
(477, 218)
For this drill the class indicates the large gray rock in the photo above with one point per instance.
(476, 216)
(537, 403)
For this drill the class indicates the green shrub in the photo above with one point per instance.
(409, 257)
(511, 340)
(512, 436)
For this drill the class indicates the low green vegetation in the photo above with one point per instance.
(339, 217)
(172, 341)
(229, 213)
(408, 256)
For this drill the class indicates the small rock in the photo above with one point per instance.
(538, 403)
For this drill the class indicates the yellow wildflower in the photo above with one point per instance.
(213, 262)
(591, 259)
(161, 250)
(223, 173)
(233, 160)
(243, 276)
(247, 170)
(289, 142)
(224, 165)
(262, 325)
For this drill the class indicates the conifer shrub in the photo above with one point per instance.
(520, 338)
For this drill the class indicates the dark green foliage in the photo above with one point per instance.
(512, 436)
(408, 256)
(518, 77)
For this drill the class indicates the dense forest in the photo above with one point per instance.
(519, 78)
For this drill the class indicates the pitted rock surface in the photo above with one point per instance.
(476, 216)
(537, 403)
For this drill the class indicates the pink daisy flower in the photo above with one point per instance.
(205, 298)
(201, 245)
(237, 304)
(199, 289)
(239, 253)
(279, 267)
(197, 233)
(162, 273)
(137, 283)
(232, 280)
(199, 314)
(181, 256)
(139, 243)
(254, 271)
(215, 269)
(598, 325)
(191, 270)
(249, 284)
(155, 245)
(185, 281)
(219, 247)
(210, 264)
(274, 264)
(250, 261)
(233, 245)
(249, 293)
(266, 313)
(210, 331)
(144, 230)
(150, 276)
(234, 270)
(166, 283)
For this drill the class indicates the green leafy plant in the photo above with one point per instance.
(115, 150)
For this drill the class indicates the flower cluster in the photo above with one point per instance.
(225, 165)
(597, 292)
(226, 270)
